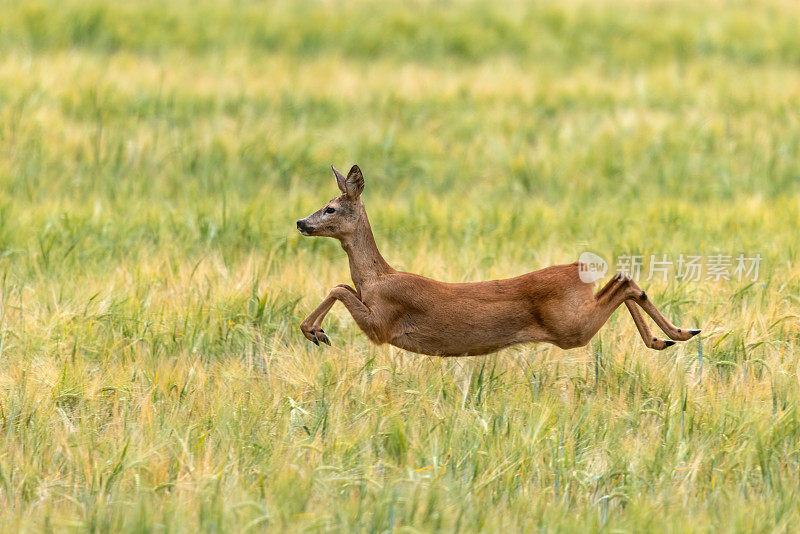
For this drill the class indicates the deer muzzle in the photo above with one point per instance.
(304, 227)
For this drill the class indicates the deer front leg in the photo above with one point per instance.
(312, 325)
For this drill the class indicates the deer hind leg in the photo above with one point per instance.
(611, 287)
(678, 334)
(622, 288)
(649, 339)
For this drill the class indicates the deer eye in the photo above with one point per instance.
(329, 210)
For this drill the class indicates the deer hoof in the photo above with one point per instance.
(660, 344)
(694, 331)
(319, 335)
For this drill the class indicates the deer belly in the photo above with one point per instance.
(457, 334)
(438, 347)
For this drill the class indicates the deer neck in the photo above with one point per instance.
(366, 262)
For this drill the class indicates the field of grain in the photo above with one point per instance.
(154, 157)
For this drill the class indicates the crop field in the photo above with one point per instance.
(154, 157)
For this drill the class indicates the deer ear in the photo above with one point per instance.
(354, 183)
(340, 180)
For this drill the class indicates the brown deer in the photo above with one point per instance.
(425, 316)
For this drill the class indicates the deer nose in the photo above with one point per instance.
(303, 227)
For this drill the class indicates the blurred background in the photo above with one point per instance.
(154, 157)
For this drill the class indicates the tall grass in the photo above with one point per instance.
(154, 157)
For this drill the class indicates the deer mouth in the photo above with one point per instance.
(304, 228)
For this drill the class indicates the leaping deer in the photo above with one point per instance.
(425, 316)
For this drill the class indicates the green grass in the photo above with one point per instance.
(154, 158)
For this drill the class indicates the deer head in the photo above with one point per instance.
(340, 217)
